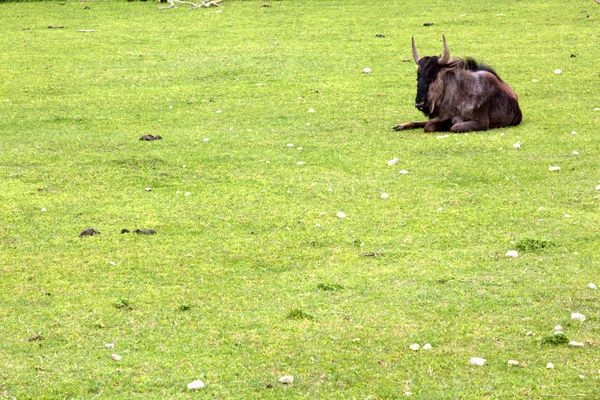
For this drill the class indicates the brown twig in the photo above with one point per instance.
(55, 26)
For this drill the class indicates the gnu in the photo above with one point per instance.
(461, 95)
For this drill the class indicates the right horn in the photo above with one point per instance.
(414, 51)
(446, 57)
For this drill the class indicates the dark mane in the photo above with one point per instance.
(470, 64)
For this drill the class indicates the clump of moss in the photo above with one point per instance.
(555, 339)
(329, 287)
(528, 245)
(297, 313)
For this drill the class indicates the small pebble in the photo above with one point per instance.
(557, 71)
(290, 145)
(573, 133)
(311, 110)
(299, 148)
(577, 317)
(341, 215)
(477, 361)
(367, 71)
(534, 80)
(112, 263)
(415, 347)
(44, 210)
(286, 380)
(300, 163)
(385, 195)
(517, 145)
(512, 253)
(550, 366)
(195, 385)
(109, 345)
(576, 344)
(554, 168)
(205, 139)
(513, 363)
(393, 161)
(592, 286)
(567, 216)
(581, 377)
(558, 328)
(575, 153)
(403, 172)
(116, 357)
(317, 225)
(427, 346)
(218, 112)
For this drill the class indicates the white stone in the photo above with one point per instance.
(218, 112)
(286, 380)
(300, 163)
(558, 328)
(109, 345)
(517, 145)
(440, 209)
(427, 346)
(299, 148)
(205, 139)
(513, 363)
(367, 71)
(577, 317)
(385, 195)
(534, 80)
(393, 161)
(112, 263)
(581, 377)
(554, 168)
(477, 361)
(567, 215)
(290, 145)
(575, 153)
(195, 385)
(557, 71)
(550, 366)
(414, 347)
(573, 133)
(512, 253)
(44, 210)
(311, 110)
(317, 225)
(341, 215)
(403, 172)
(592, 286)
(116, 357)
(576, 344)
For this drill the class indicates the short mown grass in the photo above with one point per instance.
(251, 275)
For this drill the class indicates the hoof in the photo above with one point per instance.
(400, 127)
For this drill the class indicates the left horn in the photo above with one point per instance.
(414, 51)
(446, 57)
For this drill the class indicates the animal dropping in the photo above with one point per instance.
(385, 195)
(461, 95)
(427, 346)
(592, 286)
(393, 161)
(513, 363)
(341, 215)
(89, 232)
(367, 71)
(550, 365)
(286, 380)
(554, 168)
(414, 347)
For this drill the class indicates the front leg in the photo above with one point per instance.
(437, 124)
(410, 125)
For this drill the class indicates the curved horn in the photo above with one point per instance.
(446, 57)
(414, 50)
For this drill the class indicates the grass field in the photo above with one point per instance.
(251, 275)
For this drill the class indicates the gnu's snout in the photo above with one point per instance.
(421, 105)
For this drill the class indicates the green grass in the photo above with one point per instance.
(252, 276)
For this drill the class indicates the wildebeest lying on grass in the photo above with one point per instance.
(461, 95)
